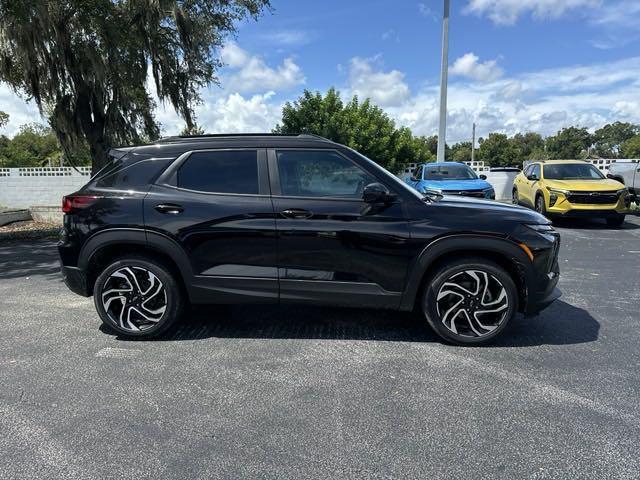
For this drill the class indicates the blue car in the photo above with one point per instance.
(450, 178)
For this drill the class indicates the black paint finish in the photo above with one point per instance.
(266, 247)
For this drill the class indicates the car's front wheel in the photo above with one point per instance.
(469, 301)
(540, 205)
(138, 297)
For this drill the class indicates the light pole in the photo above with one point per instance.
(444, 73)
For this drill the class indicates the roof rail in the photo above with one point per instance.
(192, 138)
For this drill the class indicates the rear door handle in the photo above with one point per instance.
(296, 213)
(169, 208)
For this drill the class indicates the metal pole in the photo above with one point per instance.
(473, 143)
(444, 73)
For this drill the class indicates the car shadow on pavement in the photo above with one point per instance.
(592, 224)
(561, 324)
(19, 259)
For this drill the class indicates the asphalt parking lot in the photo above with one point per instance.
(292, 392)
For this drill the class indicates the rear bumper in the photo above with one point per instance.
(76, 280)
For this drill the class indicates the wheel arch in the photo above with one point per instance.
(108, 245)
(501, 251)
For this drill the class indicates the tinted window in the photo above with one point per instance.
(448, 172)
(572, 171)
(418, 173)
(527, 170)
(220, 172)
(320, 174)
(535, 170)
(122, 174)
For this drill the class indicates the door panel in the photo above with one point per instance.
(338, 251)
(229, 239)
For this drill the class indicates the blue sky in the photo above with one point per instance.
(516, 65)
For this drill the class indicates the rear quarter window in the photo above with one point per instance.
(128, 173)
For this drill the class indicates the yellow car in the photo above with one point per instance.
(571, 188)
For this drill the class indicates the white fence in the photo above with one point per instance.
(39, 186)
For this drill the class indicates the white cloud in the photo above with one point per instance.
(251, 73)
(19, 110)
(391, 35)
(543, 101)
(426, 11)
(383, 88)
(507, 12)
(469, 66)
(289, 38)
(232, 113)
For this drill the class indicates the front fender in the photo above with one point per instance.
(461, 244)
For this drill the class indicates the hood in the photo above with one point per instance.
(600, 185)
(490, 209)
(473, 184)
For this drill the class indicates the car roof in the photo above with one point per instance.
(558, 161)
(234, 140)
(443, 164)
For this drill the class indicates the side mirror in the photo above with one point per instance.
(533, 177)
(612, 177)
(377, 193)
(483, 177)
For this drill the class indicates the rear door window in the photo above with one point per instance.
(224, 171)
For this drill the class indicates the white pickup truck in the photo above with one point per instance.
(629, 174)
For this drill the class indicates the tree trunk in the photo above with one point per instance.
(93, 124)
(99, 157)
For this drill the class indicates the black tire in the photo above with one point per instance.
(465, 335)
(616, 221)
(144, 269)
(515, 199)
(540, 205)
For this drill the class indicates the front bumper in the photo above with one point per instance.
(564, 208)
(540, 300)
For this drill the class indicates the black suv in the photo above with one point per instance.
(222, 219)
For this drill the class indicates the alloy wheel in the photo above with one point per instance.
(134, 298)
(472, 303)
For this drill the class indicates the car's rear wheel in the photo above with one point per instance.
(616, 221)
(514, 197)
(138, 297)
(469, 301)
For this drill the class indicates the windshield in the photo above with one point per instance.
(572, 171)
(448, 172)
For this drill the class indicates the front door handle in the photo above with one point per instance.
(169, 208)
(296, 213)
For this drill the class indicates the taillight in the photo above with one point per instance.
(77, 202)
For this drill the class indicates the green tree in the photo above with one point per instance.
(85, 62)
(460, 152)
(194, 130)
(529, 145)
(4, 118)
(33, 146)
(608, 140)
(359, 125)
(497, 150)
(569, 143)
(631, 148)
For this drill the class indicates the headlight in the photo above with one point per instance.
(559, 190)
(541, 228)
